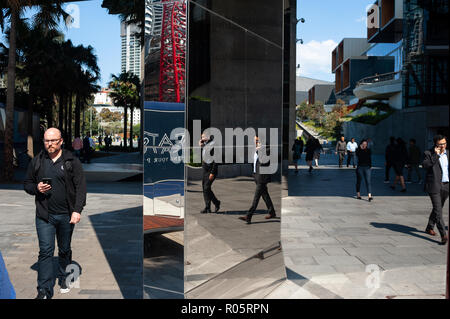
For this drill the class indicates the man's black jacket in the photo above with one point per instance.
(74, 179)
(433, 175)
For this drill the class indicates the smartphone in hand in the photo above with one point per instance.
(47, 180)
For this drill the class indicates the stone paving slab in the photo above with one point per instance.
(354, 241)
(107, 243)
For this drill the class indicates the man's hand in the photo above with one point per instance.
(75, 219)
(211, 177)
(43, 188)
(437, 150)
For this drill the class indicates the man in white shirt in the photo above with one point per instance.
(436, 184)
(351, 149)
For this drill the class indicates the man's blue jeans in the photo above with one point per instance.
(57, 226)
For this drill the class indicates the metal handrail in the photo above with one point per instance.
(378, 78)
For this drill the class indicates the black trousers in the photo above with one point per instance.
(261, 191)
(341, 155)
(386, 171)
(208, 194)
(436, 217)
(351, 158)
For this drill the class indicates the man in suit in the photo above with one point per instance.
(209, 175)
(436, 184)
(261, 181)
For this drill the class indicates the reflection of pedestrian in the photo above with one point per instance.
(351, 149)
(363, 171)
(209, 175)
(88, 143)
(389, 155)
(297, 150)
(310, 147)
(341, 149)
(59, 202)
(414, 156)
(77, 146)
(261, 181)
(317, 150)
(399, 160)
(436, 184)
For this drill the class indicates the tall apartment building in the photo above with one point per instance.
(414, 35)
(131, 49)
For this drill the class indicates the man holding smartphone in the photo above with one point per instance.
(56, 178)
(436, 184)
(209, 175)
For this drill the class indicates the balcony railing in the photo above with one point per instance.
(379, 78)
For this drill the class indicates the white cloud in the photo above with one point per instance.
(314, 58)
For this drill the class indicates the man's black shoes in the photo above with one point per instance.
(246, 219)
(217, 207)
(41, 295)
(205, 211)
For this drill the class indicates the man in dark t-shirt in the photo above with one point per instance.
(55, 177)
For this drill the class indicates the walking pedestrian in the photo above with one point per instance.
(351, 149)
(389, 155)
(414, 157)
(436, 184)
(399, 160)
(77, 146)
(317, 150)
(341, 150)
(261, 181)
(210, 170)
(310, 147)
(55, 177)
(364, 169)
(297, 150)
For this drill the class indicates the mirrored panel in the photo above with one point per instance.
(165, 56)
(234, 119)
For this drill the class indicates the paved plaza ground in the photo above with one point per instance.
(336, 246)
(106, 244)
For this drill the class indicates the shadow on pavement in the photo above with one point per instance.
(163, 268)
(120, 234)
(313, 288)
(404, 229)
(35, 267)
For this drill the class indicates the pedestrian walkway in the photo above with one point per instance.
(336, 246)
(107, 243)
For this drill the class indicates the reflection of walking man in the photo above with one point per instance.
(59, 202)
(261, 181)
(436, 184)
(209, 175)
(341, 149)
(351, 149)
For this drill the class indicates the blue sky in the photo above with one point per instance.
(100, 30)
(94, 26)
(327, 22)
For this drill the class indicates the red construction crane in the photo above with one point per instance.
(173, 52)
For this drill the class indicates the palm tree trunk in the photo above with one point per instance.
(30, 150)
(125, 120)
(9, 121)
(61, 111)
(66, 116)
(77, 115)
(70, 115)
(131, 127)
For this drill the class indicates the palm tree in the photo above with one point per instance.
(125, 92)
(48, 14)
(132, 12)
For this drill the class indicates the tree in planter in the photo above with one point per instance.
(48, 15)
(125, 89)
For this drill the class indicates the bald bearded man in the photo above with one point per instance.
(56, 178)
